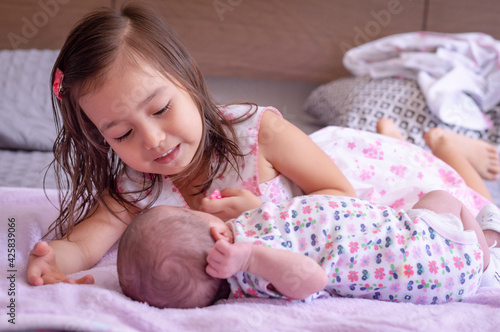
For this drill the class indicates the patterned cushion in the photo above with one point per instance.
(359, 102)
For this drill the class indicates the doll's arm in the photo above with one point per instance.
(293, 275)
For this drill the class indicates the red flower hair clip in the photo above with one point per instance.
(57, 86)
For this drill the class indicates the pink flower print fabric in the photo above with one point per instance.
(367, 250)
(391, 172)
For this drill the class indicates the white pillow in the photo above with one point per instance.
(26, 119)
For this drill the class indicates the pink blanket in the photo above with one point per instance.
(102, 306)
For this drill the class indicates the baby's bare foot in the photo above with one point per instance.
(481, 155)
(387, 127)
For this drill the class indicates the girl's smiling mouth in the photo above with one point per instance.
(168, 156)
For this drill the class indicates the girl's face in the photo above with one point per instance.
(151, 124)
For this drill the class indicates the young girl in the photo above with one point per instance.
(310, 247)
(140, 129)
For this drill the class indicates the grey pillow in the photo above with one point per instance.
(26, 120)
(359, 102)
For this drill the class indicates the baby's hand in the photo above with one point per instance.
(43, 269)
(225, 259)
(229, 203)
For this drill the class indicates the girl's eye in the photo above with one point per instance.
(163, 110)
(121, 138)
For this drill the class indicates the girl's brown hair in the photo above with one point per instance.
(84, 163)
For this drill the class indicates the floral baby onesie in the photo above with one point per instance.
(367, 250)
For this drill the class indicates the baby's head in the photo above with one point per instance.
(162, 259)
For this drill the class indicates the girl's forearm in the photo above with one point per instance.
(293, 275)
(69, 256)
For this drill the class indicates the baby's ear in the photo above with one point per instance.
(219, 234)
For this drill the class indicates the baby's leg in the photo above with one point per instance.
(489, 220)
(440, 201)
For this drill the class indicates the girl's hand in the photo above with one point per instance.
(234, 201)
(226, 259)
(43, 269)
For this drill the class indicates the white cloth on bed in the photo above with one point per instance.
(458, 74)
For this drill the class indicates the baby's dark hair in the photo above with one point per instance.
(87, 169)
(162, 260)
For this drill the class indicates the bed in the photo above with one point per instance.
(288, 54)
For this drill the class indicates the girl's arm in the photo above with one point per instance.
(286, 149)
(293, 275)
(88, 242)
(232, 203)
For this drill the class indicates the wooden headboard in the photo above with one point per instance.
(268, 39)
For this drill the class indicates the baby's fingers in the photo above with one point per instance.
(214, 265)
(214, 256)
(216, 259)
(213, 272)
(217, 270)
(223, 246)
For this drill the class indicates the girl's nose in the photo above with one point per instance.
(152, 137)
